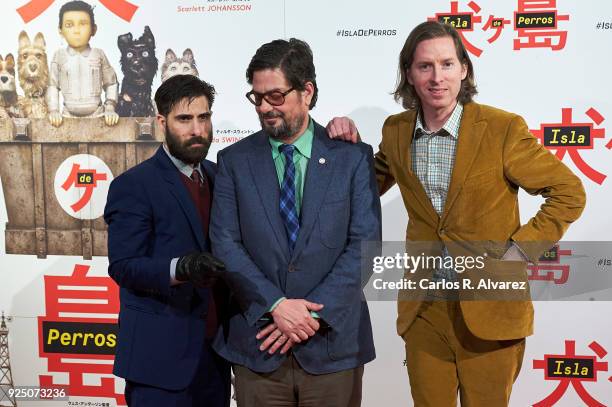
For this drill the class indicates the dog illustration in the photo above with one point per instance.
(139, 66)
(8, 88)
(175, 66)
(33, 75)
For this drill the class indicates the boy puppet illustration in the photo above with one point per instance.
(80, 72)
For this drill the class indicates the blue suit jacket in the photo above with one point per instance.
(340, 209)
(151, 219)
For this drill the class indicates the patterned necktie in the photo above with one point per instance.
(288, 210)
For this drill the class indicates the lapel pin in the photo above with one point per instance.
(321, 160)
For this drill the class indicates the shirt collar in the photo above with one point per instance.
(184, 168)
(451, 126)
(303, 144)
(85, 52)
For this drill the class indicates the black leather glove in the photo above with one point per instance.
(200, 268)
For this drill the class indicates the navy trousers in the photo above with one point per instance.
(210, 387)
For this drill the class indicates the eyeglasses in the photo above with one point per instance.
(274, 97)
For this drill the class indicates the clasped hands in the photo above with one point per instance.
(292, 324)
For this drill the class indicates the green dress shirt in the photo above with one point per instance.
(301, 155)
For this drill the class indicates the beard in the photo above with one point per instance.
(285, 130)
(184, 150)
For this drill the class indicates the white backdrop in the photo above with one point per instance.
(356, 75)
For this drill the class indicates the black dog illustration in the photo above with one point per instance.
(139, 66)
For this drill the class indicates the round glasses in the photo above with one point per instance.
(274, 97)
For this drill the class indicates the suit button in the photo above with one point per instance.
(291, 268)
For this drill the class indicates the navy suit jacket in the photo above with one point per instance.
(151, 220)
(340, 210)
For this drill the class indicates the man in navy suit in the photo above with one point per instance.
(290, 212)
(159, 254)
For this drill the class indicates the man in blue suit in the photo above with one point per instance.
(159, 254)
(290, 213)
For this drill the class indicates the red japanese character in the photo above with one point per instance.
(121, 8)
(553, 138)
(82, 178)
(536, 21)
(550, 266)
(462, 21)
(67, 300)
(572, 369)
(497, 24)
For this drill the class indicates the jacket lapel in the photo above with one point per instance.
(177, 188)
(210, 169)
(318, 176)
(471, 133)
(404, 141)
(265, 179)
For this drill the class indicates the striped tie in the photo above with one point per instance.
(288, 210)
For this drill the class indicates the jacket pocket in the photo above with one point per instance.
(333, 223)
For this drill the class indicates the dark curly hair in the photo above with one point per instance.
(293, 58)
